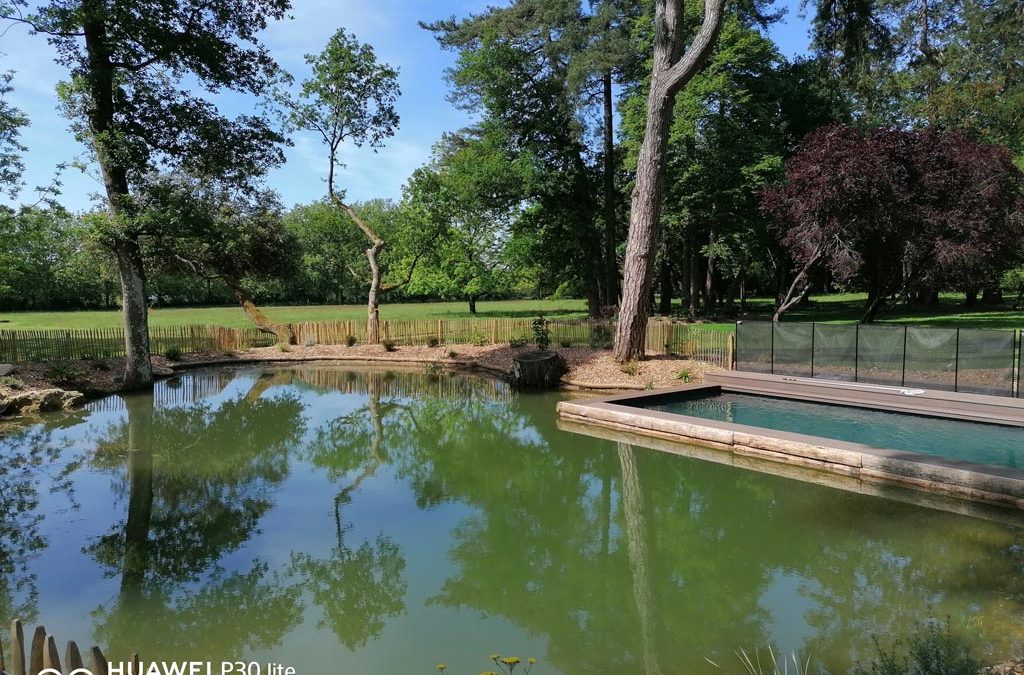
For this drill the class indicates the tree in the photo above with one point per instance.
(467, 197)
(350, 97)
(12, 120)
(898, 210)
(126, 62)
(671, 70)
(228, 236)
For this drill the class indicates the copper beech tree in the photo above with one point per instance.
(898, 211)
(673, 66)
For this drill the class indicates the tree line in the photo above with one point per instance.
(623, 151)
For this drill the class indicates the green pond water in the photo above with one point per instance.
(382, 522)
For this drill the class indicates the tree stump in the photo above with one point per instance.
(539, 369)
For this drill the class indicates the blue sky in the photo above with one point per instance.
(389, 25)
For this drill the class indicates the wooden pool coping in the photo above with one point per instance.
(985, 483)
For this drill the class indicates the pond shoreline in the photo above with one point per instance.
(39, 386)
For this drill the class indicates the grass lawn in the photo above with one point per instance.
(837, 308)
(847, 308)
(234, 316)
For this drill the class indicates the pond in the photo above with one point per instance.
(371, 521)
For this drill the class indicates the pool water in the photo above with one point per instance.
(954, 439)
(353, 521)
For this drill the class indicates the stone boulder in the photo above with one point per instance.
(538, 370)
(6, 369)
(39, 400)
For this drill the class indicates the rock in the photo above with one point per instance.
(160, 371)
(6, 369)
(39, 400)
(538, 369)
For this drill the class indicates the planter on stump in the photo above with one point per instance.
(539, 369)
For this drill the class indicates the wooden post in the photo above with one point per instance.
(17, 648)
(50, 657)
(99, 663)
(440, 332)
(494, 332)
(72, 657)
(35, 657)
(729, 351)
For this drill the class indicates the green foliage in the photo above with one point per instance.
(565, 343)
(172, 354)
(601, 336)
(282, 347)
(771, 664)
(64, 374)
(452, 353)
(389, 345)
(517, 342)
(350, 340)
(631, 367)
(478, 339)
(932, 649)
(686, 375)
(541, 333)
(12, 121)
(432, 341)
(11, 382)
(433, 370)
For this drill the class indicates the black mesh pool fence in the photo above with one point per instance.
(974, 360)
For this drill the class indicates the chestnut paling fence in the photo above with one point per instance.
(42, 653)
(693, 341)
(973, 360)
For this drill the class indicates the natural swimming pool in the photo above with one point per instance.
(341, 520)
(954, 439)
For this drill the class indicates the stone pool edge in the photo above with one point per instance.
(918, 471)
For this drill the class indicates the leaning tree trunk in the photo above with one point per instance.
(670, 73)
(281, 331)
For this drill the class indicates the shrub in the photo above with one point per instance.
(350, 341)
(770, 665)
(565, 343)
(479, 340)
(282, 347)
(541, 333)
(433, 341)
(433, 370)
(601, 336)
(172, 354)
(932, 649)
(62, 373)
(389, 345)
(452, 353)
(685, 375)
(99, 364)
(517, 342)
(11, 382)
(631, 367)
(309, 341)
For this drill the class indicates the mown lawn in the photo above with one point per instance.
(837, 308)
(235, 318)
(848, 307)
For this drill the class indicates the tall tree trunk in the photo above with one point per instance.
(970, 298)
(710, 304)
(472, 304)
(281, 331)
(138, 368)
(140, 495)
(611, 284)
(125, 245)
(665, 301)
(671, 71)
(992, 296)
(693, 310)
(639, 559)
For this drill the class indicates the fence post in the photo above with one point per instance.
(856, 352)
(812, 350)
(773, 349)
(730, 351)
(903, 376)
(956, 363)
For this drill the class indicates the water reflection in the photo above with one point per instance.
(356, 519)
